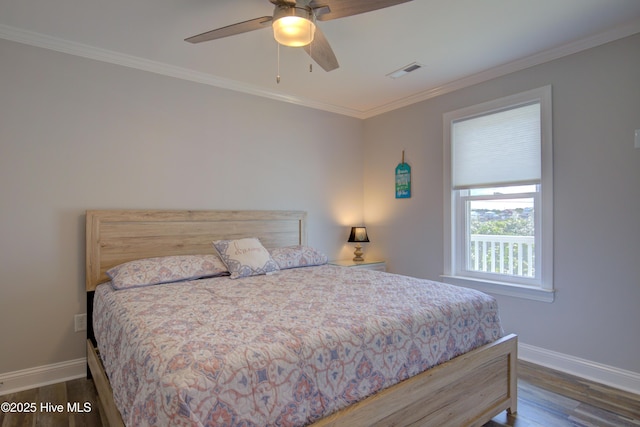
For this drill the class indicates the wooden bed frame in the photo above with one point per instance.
(466, 391)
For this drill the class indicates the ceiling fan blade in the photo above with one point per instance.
(341, 8)
(232, 30)
(320, 51)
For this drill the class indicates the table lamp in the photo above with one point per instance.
(358, 235)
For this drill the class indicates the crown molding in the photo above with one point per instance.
(104, 55)
(78, 49)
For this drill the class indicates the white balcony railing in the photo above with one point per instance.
(513, 255)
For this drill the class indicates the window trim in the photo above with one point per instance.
(540, 292)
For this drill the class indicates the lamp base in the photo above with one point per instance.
(358, 254)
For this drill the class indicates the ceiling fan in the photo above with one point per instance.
(294, 24)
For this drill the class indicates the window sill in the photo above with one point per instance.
(500, 288)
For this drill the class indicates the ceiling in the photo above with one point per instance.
(457, 42)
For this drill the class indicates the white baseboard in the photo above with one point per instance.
(39, 376)
(593, 371)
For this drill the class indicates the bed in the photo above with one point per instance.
(463, 381)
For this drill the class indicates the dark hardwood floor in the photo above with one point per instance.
(538, 407)
(29, 408)
(545, 399)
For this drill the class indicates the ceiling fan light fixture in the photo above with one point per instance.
(293, 26)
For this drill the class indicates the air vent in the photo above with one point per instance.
(405, 70)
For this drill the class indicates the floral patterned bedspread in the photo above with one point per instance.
(284, 349)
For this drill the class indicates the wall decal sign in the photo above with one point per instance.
(403, 180)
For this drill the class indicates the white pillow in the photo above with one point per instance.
(245, 257)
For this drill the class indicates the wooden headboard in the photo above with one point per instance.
(117, 236)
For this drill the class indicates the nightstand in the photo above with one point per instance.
(366, 264)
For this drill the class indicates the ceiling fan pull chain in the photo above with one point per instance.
(311, 43)
(278, 74)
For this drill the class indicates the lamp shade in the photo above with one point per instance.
(358, 234)
(293, 26)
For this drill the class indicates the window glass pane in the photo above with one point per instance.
(500, 236)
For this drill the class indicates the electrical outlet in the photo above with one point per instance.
(80, 322)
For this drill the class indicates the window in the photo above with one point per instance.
(499, 194)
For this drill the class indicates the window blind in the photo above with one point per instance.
(501, 148)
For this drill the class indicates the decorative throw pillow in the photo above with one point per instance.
(297, 256)
(154, 271)
(245, 257)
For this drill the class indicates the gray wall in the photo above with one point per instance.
(78, 134)
(596, 108)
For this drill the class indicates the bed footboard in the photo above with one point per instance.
(466, 391)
